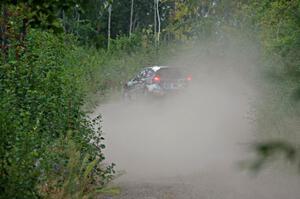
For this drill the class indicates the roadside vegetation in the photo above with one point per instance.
(59, 58)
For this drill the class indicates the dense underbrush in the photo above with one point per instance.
(46, 147)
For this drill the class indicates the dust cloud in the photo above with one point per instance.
(197, 137)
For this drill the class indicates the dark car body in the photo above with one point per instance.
(156, 81)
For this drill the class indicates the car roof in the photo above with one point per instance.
(156, 68)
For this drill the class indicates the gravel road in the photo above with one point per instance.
(190, 145)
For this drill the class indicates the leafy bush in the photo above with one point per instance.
(43, 91)
(41, 100)
(75, 174)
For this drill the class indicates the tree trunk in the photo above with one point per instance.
(158, 19)
(4, 39)
(131, 17)
(155, 21)
(109, 25)
(64, 20)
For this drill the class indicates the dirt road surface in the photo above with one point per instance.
(190, 145)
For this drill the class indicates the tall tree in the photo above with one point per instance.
(158, 21)
(131, 17)
(155, 21)
(109, 26)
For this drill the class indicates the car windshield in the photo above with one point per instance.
(170, 73)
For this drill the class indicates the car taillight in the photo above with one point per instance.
(189, 78)
(156, 79)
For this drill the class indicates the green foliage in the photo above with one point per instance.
(270, 150)
(43, 88)
(40, 13)
(280, 31)
(126, 44)
(74, 177)
(41, 99)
